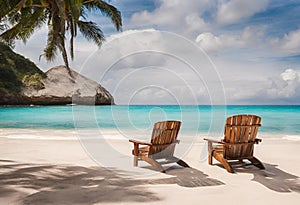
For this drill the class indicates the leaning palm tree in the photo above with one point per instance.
(20, 18)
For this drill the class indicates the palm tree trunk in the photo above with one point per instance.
(65, 57)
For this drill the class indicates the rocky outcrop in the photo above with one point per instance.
(23, 83)
(62, 87)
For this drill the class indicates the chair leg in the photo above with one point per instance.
(223, 162)
(153, 163)
(210, 153)
(210, 159)
(182, 163)
(135, 154)
(178, 161)
(256, 163)
(135, 161)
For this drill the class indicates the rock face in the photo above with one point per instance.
(62, 87)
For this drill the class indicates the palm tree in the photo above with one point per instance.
(20, 18)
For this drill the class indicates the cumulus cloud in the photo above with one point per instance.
(194, 23)
(286, 86)
(289, 43)
(290, 75)
(281, 89)
(236, 10)
(179, 16)
(209, 42)
(250, 36)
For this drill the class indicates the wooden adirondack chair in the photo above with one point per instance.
(162, 145)
(238, 143)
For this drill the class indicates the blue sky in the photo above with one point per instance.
(253, 45)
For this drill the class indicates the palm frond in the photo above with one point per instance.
(52, 44)
(3, 25)
(107, 10)
(7, 7)
(91, 31)
(74, 8)
(28, 22)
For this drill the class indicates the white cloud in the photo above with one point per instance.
(289, 43)
(250, 36)
(234, 11)
(283, 88)
(286, 85)
(194, 23)
(209, 42)
(180, 16)
(290, 75)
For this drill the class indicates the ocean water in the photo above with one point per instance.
(195, 119)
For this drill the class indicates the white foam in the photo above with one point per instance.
(292, 137)
(40, 134)
(33, 137)
(48, 134)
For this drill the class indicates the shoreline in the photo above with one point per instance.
(75, 134)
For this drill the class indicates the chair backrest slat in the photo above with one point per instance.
(163, 138)
(239, 134)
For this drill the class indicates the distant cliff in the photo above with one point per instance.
(23, 83)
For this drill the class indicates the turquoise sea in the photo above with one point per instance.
(203, 119)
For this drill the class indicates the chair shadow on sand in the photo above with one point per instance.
(186, 177)
(24, 183)
(271, 177)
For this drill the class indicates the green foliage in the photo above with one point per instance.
(13, 69)
(35, 81)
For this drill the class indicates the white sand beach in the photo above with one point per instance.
(48, 170)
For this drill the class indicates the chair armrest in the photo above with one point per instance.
(214, 141)
(210, 145)
(139, 142)
(256, 141)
